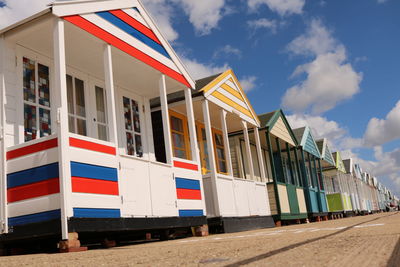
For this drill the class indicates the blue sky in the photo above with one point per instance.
(347, 83)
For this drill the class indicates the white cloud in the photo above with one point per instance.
(381, 131)
(248, 83)
(200, 70)
(282, 7)
(15, 10)
(263, 23)
(329, 78)
(204, 14)
(381, 1)
(227, 50)
(163, 14)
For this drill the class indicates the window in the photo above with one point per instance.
(180, 136)
(101, 114)
(37, 110)
(76, 106)
(202, 142)
(133, 134)
(219, 152)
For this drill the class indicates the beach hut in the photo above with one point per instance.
(361, 189)
(284, 175)
(235, 200)
(352, 186)
(337, 187)
(312, 173)
(78, 138)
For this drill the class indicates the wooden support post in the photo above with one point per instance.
(62, 121)
(304, 169)
(278, 145)
(192, 127)
(259, 154)
(226, 142)
(298, 169)
(275, 182)
(110, 94)
(248, 150)
(3, 163)
(165, 119)
(211, 154)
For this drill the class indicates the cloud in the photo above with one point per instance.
(330, 79)
(204, 14)
(14, 10)
(263, 23)
(227, 50)
(163, 14)
(282, 7)
(381, 1)
(200, 70)
(381, 131)
(248, 83)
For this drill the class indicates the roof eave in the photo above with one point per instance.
(26, 20)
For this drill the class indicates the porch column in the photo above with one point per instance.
(3, 164)
(248, 150)
(322, 177)
(62, 123)
(227, 148)
(211, 155)
(304, 169)
(271, 155)
(110, 94)
(260, 154)
(298, 169)
(192, 127)
(165, 119)
(278, 146)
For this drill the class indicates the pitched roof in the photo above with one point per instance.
(276, 123)
(339, 163)
(306, 140)
(225, 90)
(325, 152)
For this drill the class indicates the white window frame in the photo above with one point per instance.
(22, 52)
(92, 112)
(86, 81)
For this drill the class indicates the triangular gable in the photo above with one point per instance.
(339, 162)
(357, 170)
(226, 91)
(278, 125)
(126, 25)
(308, 142)
(325, 152)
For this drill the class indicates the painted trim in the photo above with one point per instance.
(23, 151)
(184, 165)
(231, 103)
(188, 194)
(96, 213)
(123, 46)
(84, 170)
(33, 175)
(78, 143)
(94, 186)
(117, 18)
(40, 189)
(35, 218)
(190, 213)
(184, 183)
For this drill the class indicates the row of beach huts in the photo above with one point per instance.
(105, 135)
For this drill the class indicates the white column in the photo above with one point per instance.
(3, 164)
(149, 130)
(248, 150)
(110, 93)
(192, 126)
(165, 118)
(211, 155)
(226, 142)
(62, 121)
(260, 154)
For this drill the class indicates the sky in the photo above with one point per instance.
(331, 64)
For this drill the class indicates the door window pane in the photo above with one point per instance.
(81, 127)
(76, 105)
(29, 80)
(44, 85)
(30, 122)
(80, 98)
(180, 138)
(44, 122)
(70, 96)
(100, 105)
(131, 117)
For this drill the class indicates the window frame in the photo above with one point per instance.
(185, 134)
(217, 159)
(93, 121)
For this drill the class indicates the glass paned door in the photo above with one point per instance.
(76, 105)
